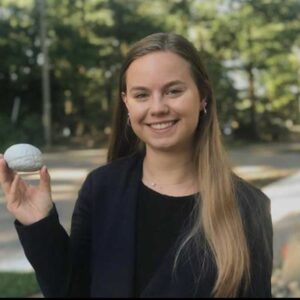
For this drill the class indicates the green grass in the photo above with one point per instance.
(15, 284)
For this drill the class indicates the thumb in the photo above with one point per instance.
(45, 181)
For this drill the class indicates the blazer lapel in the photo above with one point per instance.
(114, 274)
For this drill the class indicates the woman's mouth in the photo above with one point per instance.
(162, 125)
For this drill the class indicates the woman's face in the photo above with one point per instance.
(163, 101)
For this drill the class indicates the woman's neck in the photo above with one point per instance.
(170, 173)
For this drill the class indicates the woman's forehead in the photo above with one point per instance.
(158, 67)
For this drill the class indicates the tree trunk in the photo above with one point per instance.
(252, 97)
(251, 88)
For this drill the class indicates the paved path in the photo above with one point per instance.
(69, 168)
(272, 162)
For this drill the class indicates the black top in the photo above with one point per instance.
(160, 219)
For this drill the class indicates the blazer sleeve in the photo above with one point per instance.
(61, 263)
(256, 214)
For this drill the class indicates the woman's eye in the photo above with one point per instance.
(141, 96)
(174, 92)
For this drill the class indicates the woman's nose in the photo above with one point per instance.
(158, 105)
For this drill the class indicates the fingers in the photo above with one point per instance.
(14, 185)
(6, 175)
(12, 198)
(45, 181)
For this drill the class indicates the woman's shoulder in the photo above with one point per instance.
(116, 167)
(255, 208)
(112, 173)
(250, 196)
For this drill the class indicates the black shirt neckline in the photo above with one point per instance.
(158, 194)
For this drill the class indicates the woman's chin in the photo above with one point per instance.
(164, 147)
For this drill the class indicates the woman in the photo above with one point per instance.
(166, 217)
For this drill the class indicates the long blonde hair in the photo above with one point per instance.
(217, 216)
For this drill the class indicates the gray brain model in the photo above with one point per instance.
(23, 158)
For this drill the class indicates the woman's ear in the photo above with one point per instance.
(124, 98)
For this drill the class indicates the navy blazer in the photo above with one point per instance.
(98, 259)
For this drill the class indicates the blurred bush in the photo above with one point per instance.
(29, 129)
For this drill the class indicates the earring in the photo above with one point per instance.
(204, 106)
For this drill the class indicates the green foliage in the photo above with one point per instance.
(15, 284)
(258, 38)
(256, 43)
(28, 130)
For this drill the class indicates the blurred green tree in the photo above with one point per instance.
(250, 48)
(255, 39)
(19, 74)
(88, 42)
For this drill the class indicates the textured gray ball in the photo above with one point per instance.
(23, 158)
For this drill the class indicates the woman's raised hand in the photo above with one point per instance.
(27, 203)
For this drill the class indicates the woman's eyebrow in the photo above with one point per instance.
(138, 88)
(173, 82)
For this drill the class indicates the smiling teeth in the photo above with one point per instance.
(162, 125)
